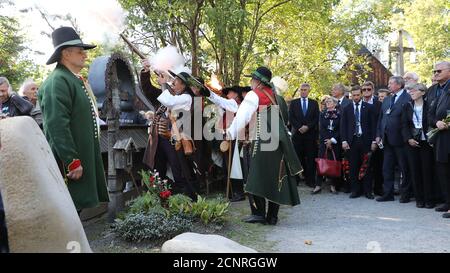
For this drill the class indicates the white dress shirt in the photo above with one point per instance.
(359, 111)
(244, 114)
(227, 104)
(175, 102)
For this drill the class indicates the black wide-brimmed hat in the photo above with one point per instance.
(262, 74)
(64, 37)
(183, 76)
(237, 89)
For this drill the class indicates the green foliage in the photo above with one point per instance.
(147, 203)
(206, 210)
(210, 210)
(139, 227)
(180, 203)
(427, 23)
(14, 62)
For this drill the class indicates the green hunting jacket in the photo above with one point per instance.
(272, 173)
(70, 127)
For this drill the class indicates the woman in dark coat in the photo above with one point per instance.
(419, 152)
(329, 138)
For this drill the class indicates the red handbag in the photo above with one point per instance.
(328, 167)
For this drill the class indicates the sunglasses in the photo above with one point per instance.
(439, 71)
(366, 89)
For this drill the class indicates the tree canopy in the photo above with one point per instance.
(300, 40)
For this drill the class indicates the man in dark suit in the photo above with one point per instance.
(358, 137)
(304, 119)
(439, 109)
(389, 134)
(442, 82)
(338, 91)
(376, 162)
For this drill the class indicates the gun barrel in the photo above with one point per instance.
(132, 47)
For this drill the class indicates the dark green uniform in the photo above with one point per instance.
(70, 127)
(272, 173)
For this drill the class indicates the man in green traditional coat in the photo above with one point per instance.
(274, 164)
(70, 117)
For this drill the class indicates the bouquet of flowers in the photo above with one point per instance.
(365, 165)
(432, 133)
(156, 184)
(345, 166)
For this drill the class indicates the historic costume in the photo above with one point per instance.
(160, 150)
(70, 125)
(227, 111)
(272, 172)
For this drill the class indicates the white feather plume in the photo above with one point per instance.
(280, 84)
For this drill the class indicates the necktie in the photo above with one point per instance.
(304, 106)
(392, 101)
(357, 121)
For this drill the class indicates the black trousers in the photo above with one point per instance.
(395, 156)
(258, 207)
(443, 174)
(181, 169)
(420, 163)
(306, 150)
(376, 167)
(357, 151)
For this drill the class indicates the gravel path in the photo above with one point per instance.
(336, 223)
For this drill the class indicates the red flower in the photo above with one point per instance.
(165, 194)
(151, 179)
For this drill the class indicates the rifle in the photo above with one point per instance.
(132, 47)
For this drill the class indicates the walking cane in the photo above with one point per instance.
(229, 168)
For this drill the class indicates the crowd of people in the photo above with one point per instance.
(382, 137)
(377, 137)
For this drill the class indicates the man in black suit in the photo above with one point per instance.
(338, 91)
(358, 137)
(376, 162)
(304, 119)
(389, 135)
(439, 109)
(442, 82)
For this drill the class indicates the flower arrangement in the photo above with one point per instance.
(364, 165)
(432, 133)
(156, 184)
(345, 166)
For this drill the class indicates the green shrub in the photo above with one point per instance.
(180, 203)
(210, 210)
(146, 203)
(137, 227)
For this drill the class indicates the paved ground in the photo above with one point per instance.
(335, 223)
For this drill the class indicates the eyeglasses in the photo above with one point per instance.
(439, 71)
(366, 89)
